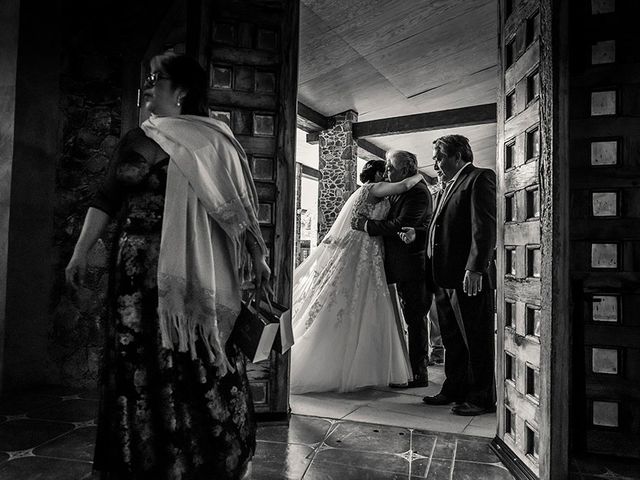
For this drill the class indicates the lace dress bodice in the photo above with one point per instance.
(369, 206)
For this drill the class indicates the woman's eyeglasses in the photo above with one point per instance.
(151, 79)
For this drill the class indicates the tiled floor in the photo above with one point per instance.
(49, 435)
(398, 407)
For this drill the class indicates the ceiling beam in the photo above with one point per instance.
(422, 122)
(369, 151)
(309, 120)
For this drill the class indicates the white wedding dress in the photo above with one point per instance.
(344, 322)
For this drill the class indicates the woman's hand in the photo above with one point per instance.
(262, 273)
(76, 270)
(407, 235)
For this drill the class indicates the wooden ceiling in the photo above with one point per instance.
(388, 58)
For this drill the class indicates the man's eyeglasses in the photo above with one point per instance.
(151, 79)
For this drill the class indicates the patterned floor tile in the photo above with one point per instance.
(301, 429)
(75, 445)
(373, 438)
(479, 471)
(371, 460)
(280, 461)
(329, 471)
(67, 411)
(16, 404)
(40, 468)
(25, 434)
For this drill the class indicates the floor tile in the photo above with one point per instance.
(301, 429)
(25, 434)
(435, 469)
(475, 450)
(423, 444)
(373, 438)
(21, 403)
(67, 411)
(479, 471)
(329, 471)
(280, 461)
(386, 417)
(318, 406)
(371, 460)
(480, 431)
(32, 468)
(75, 445)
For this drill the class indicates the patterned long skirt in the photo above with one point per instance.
(162, 414)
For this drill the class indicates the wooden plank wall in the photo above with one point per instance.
(253, 59)
(605, 226)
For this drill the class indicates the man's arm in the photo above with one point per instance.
(483, 222)
(412, 214)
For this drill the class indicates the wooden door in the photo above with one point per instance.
(250, 49)
(532, 303)
(605, 227)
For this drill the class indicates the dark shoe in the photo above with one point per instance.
(467, 409)
(399, 385)
(418, 383)
(439, 399)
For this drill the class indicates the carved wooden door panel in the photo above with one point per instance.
(605, 227)
(530, 305)
(250, 49)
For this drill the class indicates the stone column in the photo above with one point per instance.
(338, 166)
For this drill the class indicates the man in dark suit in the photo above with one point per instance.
(461, 246)
(405, 263)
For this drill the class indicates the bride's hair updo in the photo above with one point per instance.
(370, 169)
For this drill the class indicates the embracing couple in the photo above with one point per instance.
(393, 232)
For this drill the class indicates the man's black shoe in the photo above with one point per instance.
(467, 409)
(418, 383)
(439, 399)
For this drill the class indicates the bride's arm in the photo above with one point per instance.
(383, 189)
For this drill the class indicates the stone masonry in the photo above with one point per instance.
(338, 166)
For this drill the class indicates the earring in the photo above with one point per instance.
(179, 102)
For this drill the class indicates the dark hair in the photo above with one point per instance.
(370, 169)
(451, 145)
(185, 72)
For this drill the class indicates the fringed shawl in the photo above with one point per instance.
(208, 180)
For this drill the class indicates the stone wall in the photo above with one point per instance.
(338, 166)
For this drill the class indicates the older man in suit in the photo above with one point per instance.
(461, 248)
(405, 264)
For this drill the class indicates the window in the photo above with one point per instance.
(509, 201)
(510, 105)
(533, 144)
(509, 154)
(509, 308)
(533, 261)
(533, 203)
(510, 260)
(533, 86)
(509, 367)
(533, 321)
(532, 29)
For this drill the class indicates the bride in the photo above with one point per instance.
(344, 324)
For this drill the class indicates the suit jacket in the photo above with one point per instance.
(465, 229)
(404, 262)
